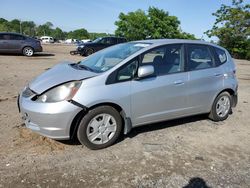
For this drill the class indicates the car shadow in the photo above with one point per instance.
(163, 125)
(42, 54)
(147, 128)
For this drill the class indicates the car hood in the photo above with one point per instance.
(57, 75)
(87, 44)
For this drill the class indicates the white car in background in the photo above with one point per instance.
(47, 39)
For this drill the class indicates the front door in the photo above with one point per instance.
(164, 96)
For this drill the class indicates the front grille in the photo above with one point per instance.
(28, 92)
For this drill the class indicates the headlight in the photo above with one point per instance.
(60, 93)
(82, 46)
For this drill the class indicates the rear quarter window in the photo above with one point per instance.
(221, 55)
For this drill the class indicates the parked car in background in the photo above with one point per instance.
(129, 85)
(86, 40)
(89, 48)
(47, 39)
(71, 41)
(19, 44)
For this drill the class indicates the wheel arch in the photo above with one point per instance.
(230, 91)
(126, 121)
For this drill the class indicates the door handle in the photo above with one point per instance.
(217, 74)
(179, 82)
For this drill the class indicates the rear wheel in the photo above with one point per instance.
(28, 51)
(222, 107)
(100, 128)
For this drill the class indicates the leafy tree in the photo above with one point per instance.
(232, 27)
(28, 28)
(133, 26)
(162, 25)
(79, 34)
(156, 24)
(93, 36)
(58, 34)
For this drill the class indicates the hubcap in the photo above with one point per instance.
(101, 129)
(28, 52)
(223, 106)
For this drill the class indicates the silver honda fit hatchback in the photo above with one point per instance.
(129, 85)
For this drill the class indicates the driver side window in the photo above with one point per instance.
(128, 71)
(103, 41)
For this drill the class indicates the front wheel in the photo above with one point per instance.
(28, 51)
(222, 107)
(100, 127)
(89, 51)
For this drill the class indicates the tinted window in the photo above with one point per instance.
(166, 60)
(16, 37)
(199, 57)
(104, 41)
(4, 37)
(221, 54)
(113, 40)
(128, 71)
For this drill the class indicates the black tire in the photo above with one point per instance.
(82, 129)
(213, 114)
(89, 51)
(28, 51)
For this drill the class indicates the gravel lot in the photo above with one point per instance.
(191, 152)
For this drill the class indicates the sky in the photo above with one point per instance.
(99, 15)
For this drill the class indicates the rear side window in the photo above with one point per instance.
(199, 57)
(16, 37)
(4, 37)
(221, 55)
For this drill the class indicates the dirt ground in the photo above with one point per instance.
(191, 152)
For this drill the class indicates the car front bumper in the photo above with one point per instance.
(52, 120)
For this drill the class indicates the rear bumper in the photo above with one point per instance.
(38, 49)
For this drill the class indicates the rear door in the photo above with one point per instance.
(4, 42)
(12, 42)
(205, 79)
(164, 96)
(1, 43)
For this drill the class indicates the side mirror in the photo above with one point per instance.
(145, 71)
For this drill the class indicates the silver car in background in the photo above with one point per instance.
(130, 85)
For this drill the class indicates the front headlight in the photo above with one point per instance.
(60, 93)
(82, 46)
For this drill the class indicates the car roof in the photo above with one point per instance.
(172, 41)
(12, 33)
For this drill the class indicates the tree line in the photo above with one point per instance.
(232, 27)
(31, 29)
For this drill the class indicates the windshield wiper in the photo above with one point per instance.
(85, 67)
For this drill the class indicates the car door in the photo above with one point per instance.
(4, 42)
(205, 79)
(1, 43)
(163, 96)
(16, 42)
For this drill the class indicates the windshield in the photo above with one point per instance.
(97, 40)
(110, 57)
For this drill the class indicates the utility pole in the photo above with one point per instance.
(20, 26)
